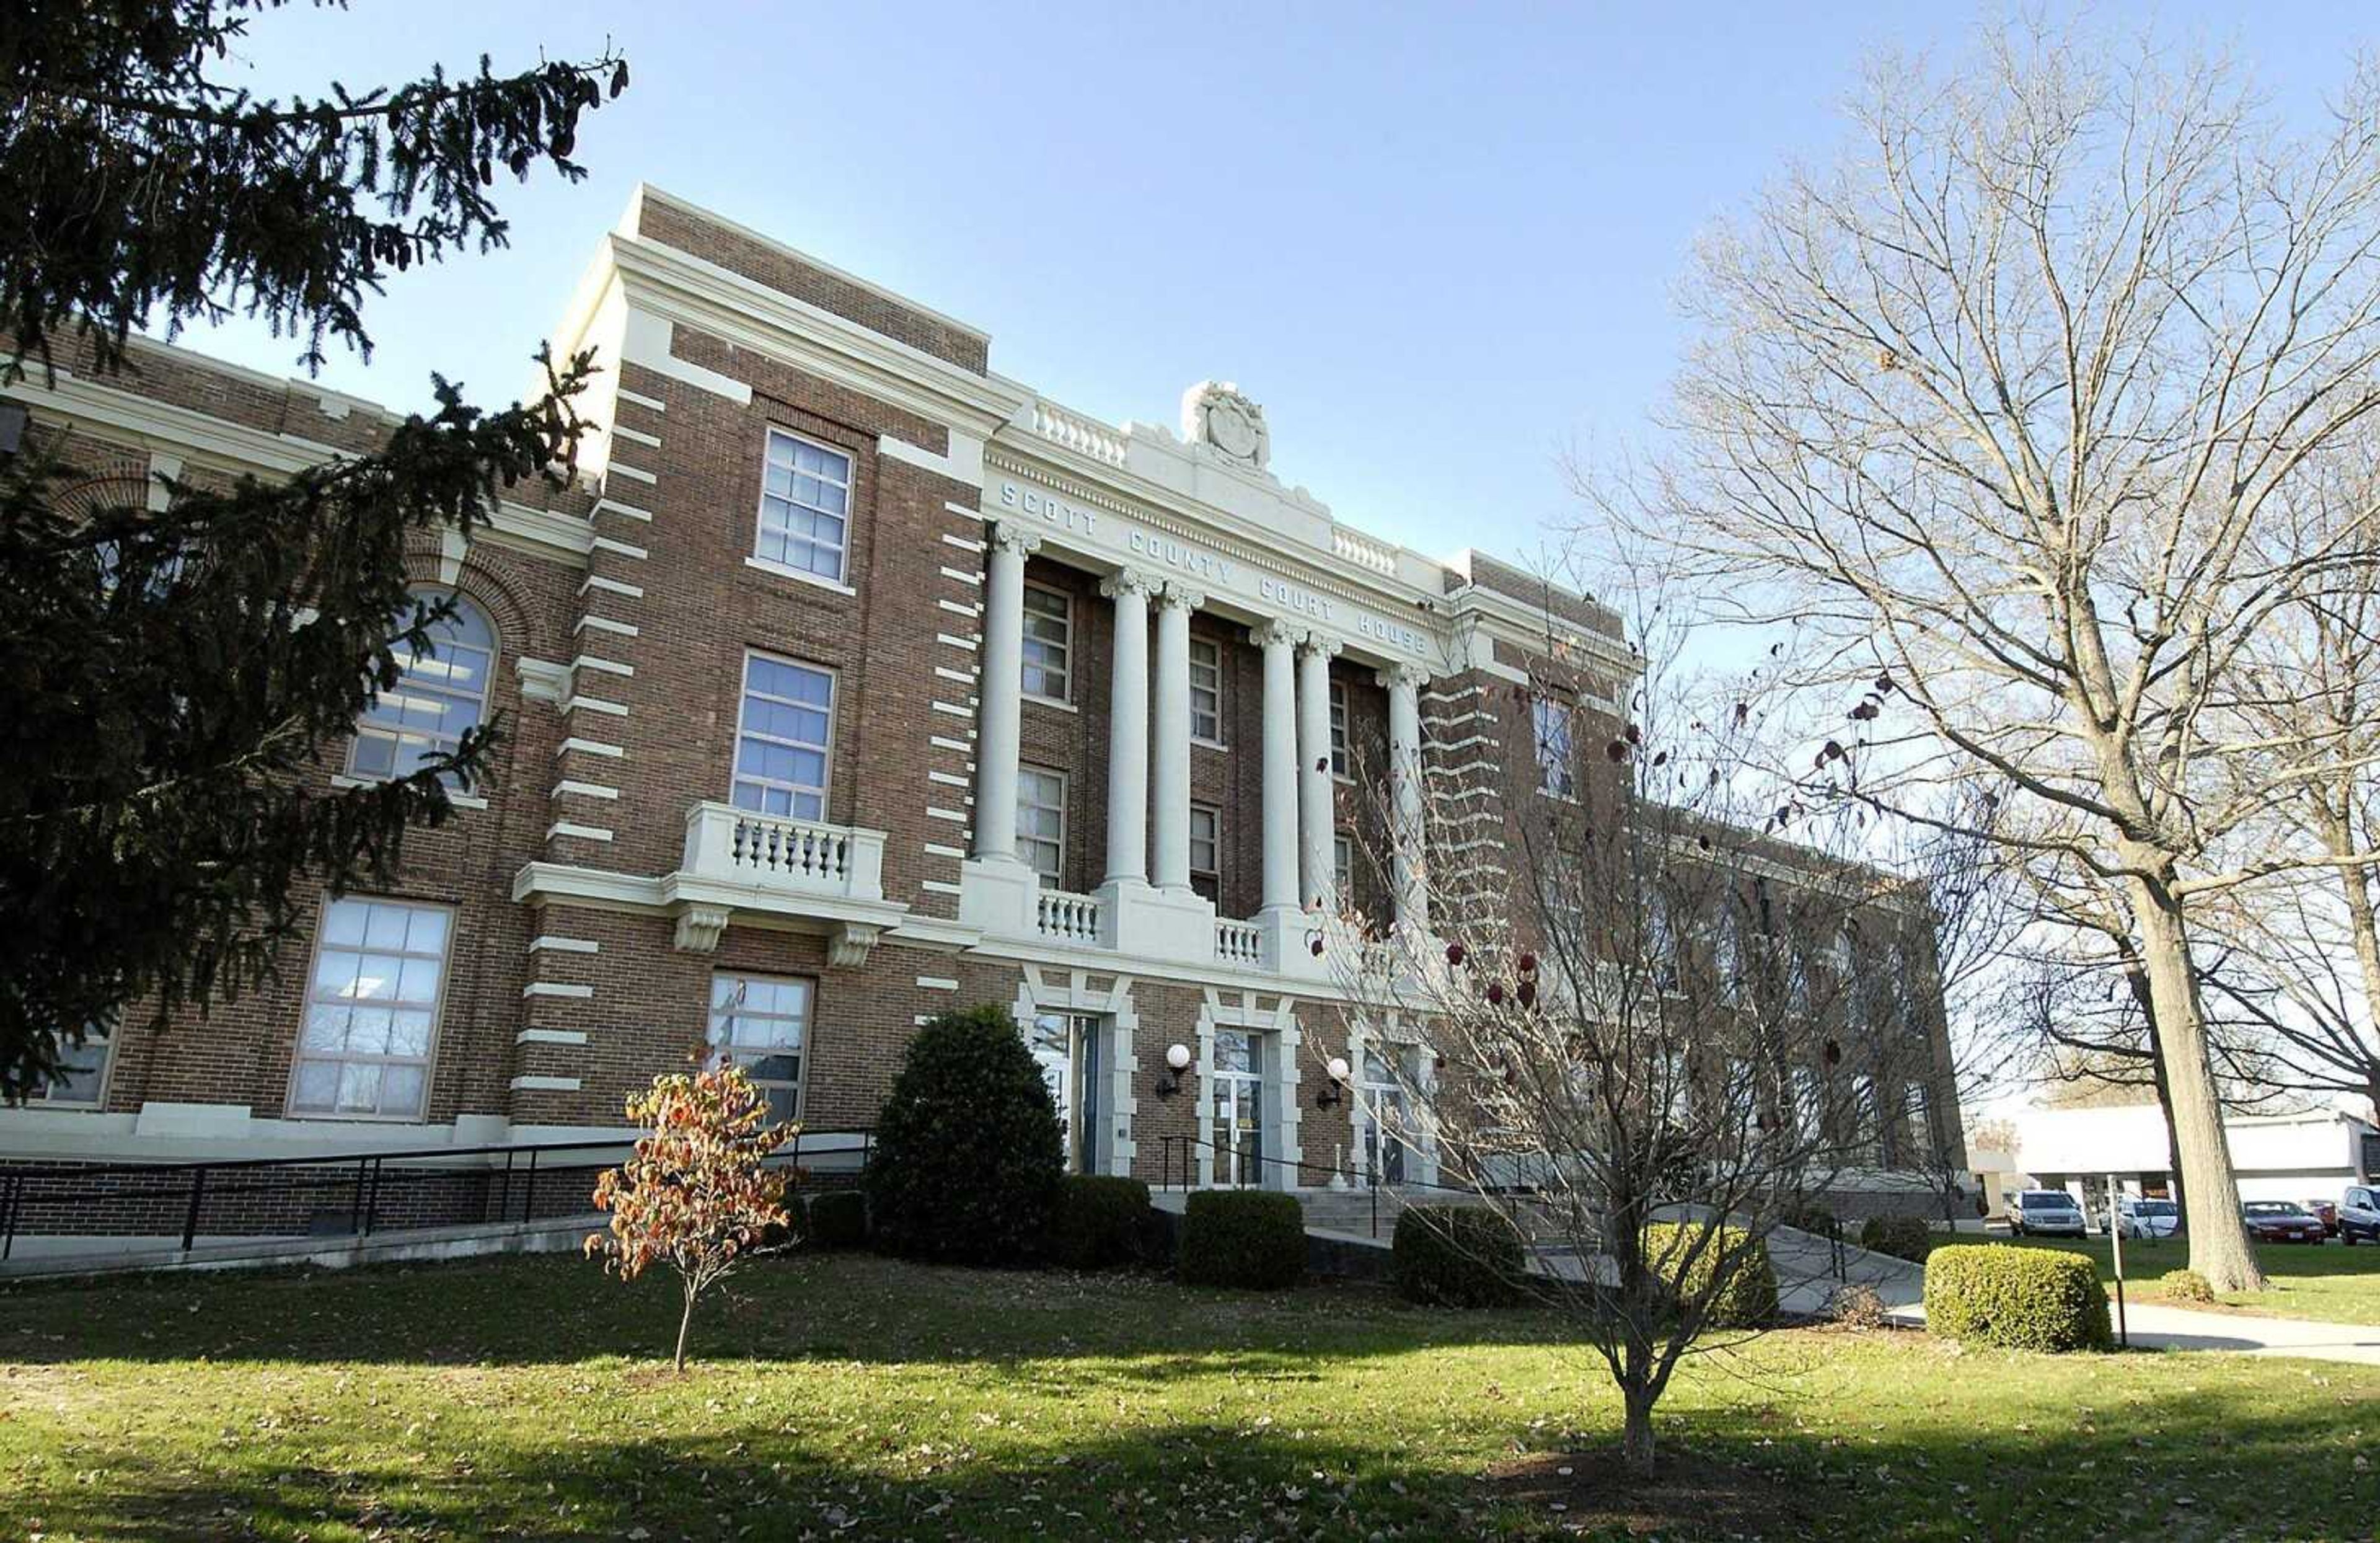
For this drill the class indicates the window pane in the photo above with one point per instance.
(782, 737)
(758, 1023)
(1339, 728)
(367, 1031)
(441, 693)
(1206, 689)
(805, 491)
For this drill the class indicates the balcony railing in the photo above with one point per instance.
(1080, 435)
(776, 852)
(1068, 916)
(1239, 943)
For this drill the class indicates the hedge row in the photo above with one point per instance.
(2017, 1298)
(1903, 1238)
(1252, 1238)
(1688, 1256)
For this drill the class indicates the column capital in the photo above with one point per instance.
(1317, 643)
(1130, 581)
(1009, 536)
(1399, 674)
(1173, 597)
(1273, 634)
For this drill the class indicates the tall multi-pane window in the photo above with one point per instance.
(1049, 643)
(80, 1080)
(1342, 868)
(371, 1010)
(805, 506)
(1552, 723)
(439, 695)
(1207, 690)
(1339, 728)
(1041, 821)
(782, 736)
(760, 1022)
(1206, 849)
(1921, 1127)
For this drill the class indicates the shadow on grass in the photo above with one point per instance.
(1729, 1473)
(554, 1309)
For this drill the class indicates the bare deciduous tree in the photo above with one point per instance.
(2010, 412)
(1653, 1045)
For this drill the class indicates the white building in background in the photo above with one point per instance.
(2278, 1157)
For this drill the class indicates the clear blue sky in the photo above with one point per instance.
(1437, 243)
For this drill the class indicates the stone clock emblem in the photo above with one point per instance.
(1215, 414)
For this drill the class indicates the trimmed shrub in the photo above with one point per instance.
(1810, 1217)
(2185, 1285)
(1254, 1238)
(1746, 1299)
(1903, 1238)
(1457, 1257)
(1101, 1222)
(2017, 1298)
(968, 1157)
(838, 1219)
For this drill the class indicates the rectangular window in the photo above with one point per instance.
(782, 736)
(1207, 690)
(371, 1010)
(1339, 728)
(1342, 868)
(1206, 849)
(759, 1022)
(1049, 643)
(805, 506)
(1867, 1131)
(1552, 722)
(81, 1081)
(1041, 821)
(1921, 1127)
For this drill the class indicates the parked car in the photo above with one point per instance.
(2359, 1215)
(2146, 1217)
(2050, 1212)
(2327, 1213)
(2282, 1221)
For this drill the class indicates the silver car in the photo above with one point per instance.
(2045, 1213)
(2146, 1217)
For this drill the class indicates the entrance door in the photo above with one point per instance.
(1066, 1046)
(1384, 1131)
(1239, 1084)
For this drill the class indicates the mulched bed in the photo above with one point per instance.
(1593, 1492)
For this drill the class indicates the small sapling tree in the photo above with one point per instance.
(698, 1194)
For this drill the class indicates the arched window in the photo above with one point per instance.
(441, 693)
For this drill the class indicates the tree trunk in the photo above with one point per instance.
(2220, 1248)
(1636, 1447)
(685, 1321)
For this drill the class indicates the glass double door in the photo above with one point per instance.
(1068, 1049)
(1385, 1141)
(1237, 1133)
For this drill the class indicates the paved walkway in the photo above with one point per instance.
(2157, 1327)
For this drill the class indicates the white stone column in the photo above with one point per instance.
(1128, 730)
(1001, 687)
(1281, 889)
(1317, 884)
(1407, 875)
(1170, 869)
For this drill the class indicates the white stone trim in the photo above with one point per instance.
(613, 507)
(543, 1084)
(556, 988)
(653, 403)
(609, 586)
(608, 666)
(948, 779)
(943, 742)
(955, 609)
(571, 787)
(594, 704)
(634, 473)
(969, 644)
(971, 580)
(550, 1037)
(954, 710)
(636, 436)
(620, 549)
(577, 831)
(938, 983)
(937, 886)
(592, 747)
(1246, 1009)
(935, 849)
(954, 815)
(604, 624)
(965, 543)
(1117, 1143)
(967, 678)
(547, 943)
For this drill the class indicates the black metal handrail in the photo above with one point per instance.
(189, 1181)
(1373, 1183)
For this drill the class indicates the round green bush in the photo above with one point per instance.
(1811, 1217)
(1745, 1298)
(968, 1158)
(2185, 1285)
(1903, 1238)
(1252, 1238)
(1457, 1257)
(2016, 1298)
(838, 1219)
(1102, 1222)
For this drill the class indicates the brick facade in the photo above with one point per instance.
(624, 610)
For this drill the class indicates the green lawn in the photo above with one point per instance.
(857, 1398)
(2323, 1280)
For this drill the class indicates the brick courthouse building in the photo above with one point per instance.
(855, 682)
